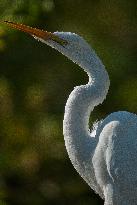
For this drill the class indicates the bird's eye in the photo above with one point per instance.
(58, 40)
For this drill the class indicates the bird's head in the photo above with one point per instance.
(69, 44)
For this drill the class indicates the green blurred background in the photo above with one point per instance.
(35, 82)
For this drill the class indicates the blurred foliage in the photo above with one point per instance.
(35, 82)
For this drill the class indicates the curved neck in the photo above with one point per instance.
(80, 103)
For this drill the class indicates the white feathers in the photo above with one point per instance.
(106, 158)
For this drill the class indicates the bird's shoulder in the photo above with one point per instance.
(118, 145)
(118, 129)
(119, 121)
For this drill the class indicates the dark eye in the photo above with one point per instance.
(57, 39)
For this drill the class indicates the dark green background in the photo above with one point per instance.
(35, 82)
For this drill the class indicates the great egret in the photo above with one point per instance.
(105, 157)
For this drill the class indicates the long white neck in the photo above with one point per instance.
(82, 100)
(79, 142)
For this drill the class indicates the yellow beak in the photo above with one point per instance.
(45, 35)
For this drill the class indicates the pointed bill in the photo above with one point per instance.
(45, 35)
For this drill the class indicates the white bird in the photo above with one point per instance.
(106, 156)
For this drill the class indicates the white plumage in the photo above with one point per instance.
(105, 157)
